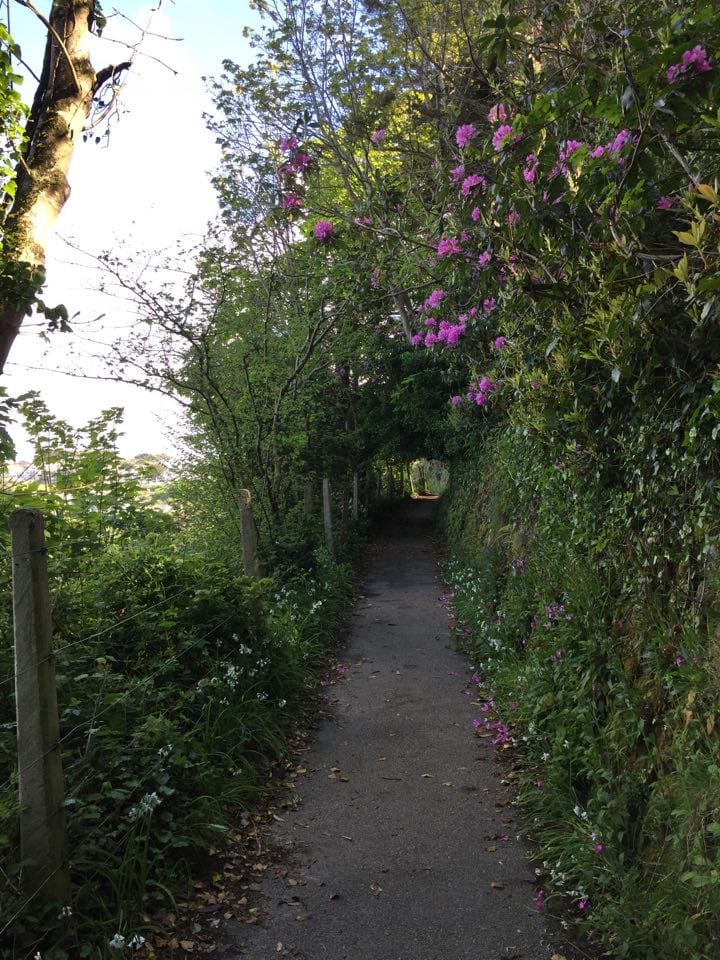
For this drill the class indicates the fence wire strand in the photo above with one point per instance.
(94, 636)
(120, 699)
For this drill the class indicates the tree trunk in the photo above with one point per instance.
(57, 119)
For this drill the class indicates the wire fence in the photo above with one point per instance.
(67, 741)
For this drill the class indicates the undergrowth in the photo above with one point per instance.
(611, 694)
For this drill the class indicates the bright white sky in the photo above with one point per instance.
(145, 191)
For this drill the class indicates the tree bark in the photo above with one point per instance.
(58, 116)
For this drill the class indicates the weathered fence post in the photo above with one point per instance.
(42, 813)
(355, 506)
(327, 517)
(308, 498)
(248, 532)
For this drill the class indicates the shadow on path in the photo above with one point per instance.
(399, 837)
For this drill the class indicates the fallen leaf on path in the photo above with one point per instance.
(303, 916)
(491, 849)
(428, 776)
(496, 885)
(187, 945)
(343, 778)
(345, 837)
(375, 890)
(447, 783)
(279, 947)
(334, 896)
(380, 759)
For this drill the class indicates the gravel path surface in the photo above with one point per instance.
(396, 851)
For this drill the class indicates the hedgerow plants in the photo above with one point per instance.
(179, 682)
(610, 702)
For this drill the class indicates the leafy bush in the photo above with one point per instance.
(611, 697)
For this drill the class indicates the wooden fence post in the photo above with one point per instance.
(327, 517)
(355, 505)
(308, 498)
(42, 812)
(248, 532)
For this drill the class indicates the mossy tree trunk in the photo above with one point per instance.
(58, 116)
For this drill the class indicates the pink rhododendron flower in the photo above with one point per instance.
(497, 114)
(434, 299)
(300, 162)
(430, 339)
(484, 259)
(378, 136)
(513, 218)
(455, 400)
(503, 136)
(457, 174)
(324, 230)
(569, 148)
(416, 339)
(475, 214)
(291, 202)
(582, 904)
(694, 61)
(448, 247)
(597, 152)
(666, 203)
(489, 305)
(531, 165)
(287, 144)
(598, 848)
(464, 134)
(616, 145)
(499, 343)
(471, 182)
(430, 321)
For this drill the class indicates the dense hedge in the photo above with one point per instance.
(610, 692)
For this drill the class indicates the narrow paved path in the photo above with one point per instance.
(395, 848)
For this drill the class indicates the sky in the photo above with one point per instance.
(142, 193)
